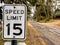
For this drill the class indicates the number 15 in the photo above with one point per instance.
(15, 27)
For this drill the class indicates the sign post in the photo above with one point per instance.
(14, 22)
(14, 42)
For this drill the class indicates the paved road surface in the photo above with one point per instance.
(35, 37)
(52, 34)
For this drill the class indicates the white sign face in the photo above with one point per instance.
(14, 24)
(9, 43)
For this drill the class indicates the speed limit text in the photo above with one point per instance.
(14, 11)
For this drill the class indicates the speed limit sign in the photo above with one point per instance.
(14, 21)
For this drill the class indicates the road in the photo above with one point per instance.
(49, 35)
(38, 34)
(35, 37)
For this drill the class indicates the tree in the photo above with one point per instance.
(40, 10)
(33, 2)
(43, 11)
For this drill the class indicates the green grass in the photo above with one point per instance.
(44, 21)
(50, 21)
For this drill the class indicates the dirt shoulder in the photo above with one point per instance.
(55, 23)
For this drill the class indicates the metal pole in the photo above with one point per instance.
(14, 42)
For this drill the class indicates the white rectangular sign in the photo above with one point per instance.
(9, 43)
(14, 21)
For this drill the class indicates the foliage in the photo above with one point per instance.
(43, 11)
(33, 2)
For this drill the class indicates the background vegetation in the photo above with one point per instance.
(43, 9)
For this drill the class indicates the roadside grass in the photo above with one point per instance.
(44, 21)
(51, 20)
(1, 40)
